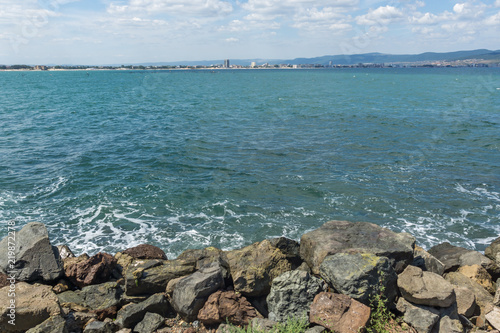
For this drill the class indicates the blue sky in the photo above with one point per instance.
(134, 31)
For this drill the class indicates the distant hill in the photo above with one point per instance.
(352, 59)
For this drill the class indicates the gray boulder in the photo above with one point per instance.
(100, 327)
(454, 257)
(449, 321)
(35, 258)
(132, 314)
(150, 323)
(95, 297)
(191, 293)
(360, 275)
(427, 262)
(55, 324)
(425, 288)
(342, 236)
(292, 294)
(147, 277)
(421, 317)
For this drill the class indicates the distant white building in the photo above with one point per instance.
(253, 64)
(226, 63)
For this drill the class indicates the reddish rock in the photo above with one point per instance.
(3, 280)
(339, 313)
(94, 270)
(146, 251)
(224, 306)
(105, 313)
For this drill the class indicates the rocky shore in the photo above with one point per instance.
(335, 280)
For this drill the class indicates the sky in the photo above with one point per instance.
(98, 32)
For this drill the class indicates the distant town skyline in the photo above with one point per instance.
(135, 31)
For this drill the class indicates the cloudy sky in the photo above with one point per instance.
(133, 31)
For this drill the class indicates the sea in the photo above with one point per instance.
(186, 159)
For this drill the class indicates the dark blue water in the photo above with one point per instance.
(187, 159)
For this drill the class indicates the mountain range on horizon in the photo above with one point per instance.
(353, 59)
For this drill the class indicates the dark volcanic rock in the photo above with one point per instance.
(191, 293)
(360, 276)
(96, 269)
(422, 318)
(55, 324)
(132, 314)
(146, 251)
(255, 266)
(427, 262)
(150, 323)
(339, 313)
(342, 236)
(292, 293)
(227, 306)
(454, 257)
(36, 258)
(147, 277)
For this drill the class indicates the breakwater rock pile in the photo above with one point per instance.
(334, 279)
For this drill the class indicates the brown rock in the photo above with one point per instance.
(96, 269)
(61, 286)
(342, 236)
(146, 251)
(425, 288)
(480, 275)
(3, 280)
(224, 306)
(339, 313)
(33, 305)
(105, 313)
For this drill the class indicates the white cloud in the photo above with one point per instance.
(497, 3)
(232, 40)
(321, 20)
(382, 16)
(493, 20)
(209, 8)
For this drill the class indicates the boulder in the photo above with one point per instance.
(55, 324)
(97, 326)
(76, 320)
(205, 257)
(422, 318)
(449, 321)
(466, 301)
(339, 313)
(130, 315)
(254, 267)
(480, 275)
(96, 269)
(33, 305)
(35, 258)
(493, 317)
(292, 294)
(101, 296)
(493, 251)
(342, 236)
(146, 251)
(122, 262)
(191, 293)
(61, 286)
(227, 306)
(454, 257)
(4, 280)
(150, 323)
(425, 288)
(360, 275)
(427, 262)
(483, 298)
(146, 277)
(65, 252)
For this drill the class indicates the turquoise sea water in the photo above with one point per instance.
(188, 159)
